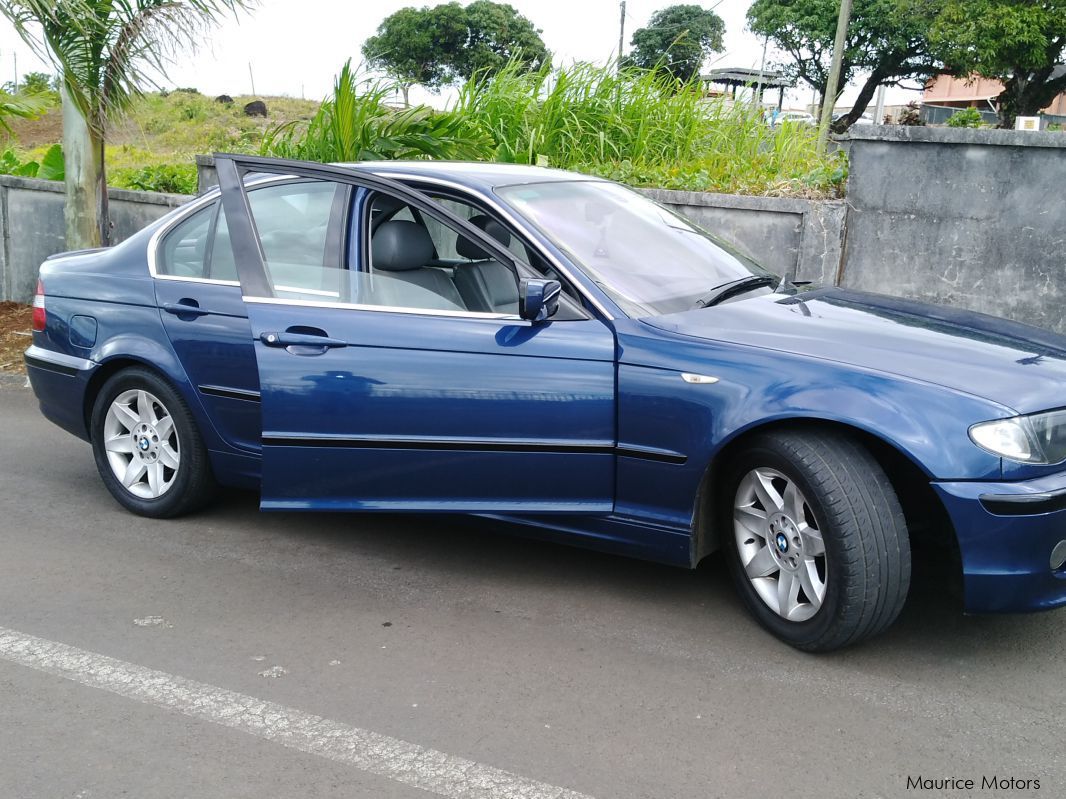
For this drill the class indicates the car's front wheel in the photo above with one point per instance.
(147, 448)
(818, 543)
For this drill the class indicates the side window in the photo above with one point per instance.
(451, 246)
(417, 260)
(295, 222)
(185, 246)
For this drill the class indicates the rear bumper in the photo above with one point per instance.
(60, 382)
(1007, 533)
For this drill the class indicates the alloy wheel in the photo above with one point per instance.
(141, 443)
(780, 544)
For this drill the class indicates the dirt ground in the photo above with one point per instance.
(16, 321)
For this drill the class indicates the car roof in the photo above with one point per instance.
(473, 174)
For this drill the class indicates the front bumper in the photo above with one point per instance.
(1007, 533)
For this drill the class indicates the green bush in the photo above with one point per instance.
(50, 167)
(355, 124)
(168, 178)
(966, 118)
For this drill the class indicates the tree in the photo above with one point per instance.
(417, 46)
(434, 47)
(1018, 43)
(106, 51)
(887, 42)
(678, 39)
(497, 35)
(36, 83)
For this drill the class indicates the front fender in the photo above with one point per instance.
(755, 387)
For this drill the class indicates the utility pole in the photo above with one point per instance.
(834, 74)
(879, 107)
(15, 58)
(252, 77)
(621, 32)
(762, 70)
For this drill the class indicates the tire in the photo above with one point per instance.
(153, 467)
(815, 596)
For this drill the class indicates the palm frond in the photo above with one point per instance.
(108, 51)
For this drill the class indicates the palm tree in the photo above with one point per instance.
(106, 51)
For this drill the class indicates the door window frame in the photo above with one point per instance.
(245, 240)
(180, 215)
(251, 268)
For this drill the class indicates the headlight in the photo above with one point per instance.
(1040, 438)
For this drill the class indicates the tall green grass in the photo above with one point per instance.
(356, 124)
(642, 128)
(631, 125)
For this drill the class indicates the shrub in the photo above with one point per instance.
(169, 178)
(355, 124)
(911, 115)
(966, 118)
(50, 167)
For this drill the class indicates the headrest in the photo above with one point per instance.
(468, 249)
(385, 205)
(401, 245)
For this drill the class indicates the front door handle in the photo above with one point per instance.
(288, 339)
(185, 307)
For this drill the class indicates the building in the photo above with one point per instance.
(948, 92)
(730, 80)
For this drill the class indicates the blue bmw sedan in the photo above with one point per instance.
(557, 350)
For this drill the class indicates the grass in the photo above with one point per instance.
(643, 129)
(155, 145)
(633, 126)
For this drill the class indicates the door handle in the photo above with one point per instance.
(288, 339)
(184, 308)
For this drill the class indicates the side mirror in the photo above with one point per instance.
(538, 300)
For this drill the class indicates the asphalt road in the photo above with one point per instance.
(608, 677)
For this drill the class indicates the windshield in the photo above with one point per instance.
(648, 259)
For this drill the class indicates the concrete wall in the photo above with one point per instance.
(31, 222)
(801, 239)
(973, 218)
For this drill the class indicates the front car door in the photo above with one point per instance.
(381, 390)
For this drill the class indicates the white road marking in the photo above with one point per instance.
(404, 762)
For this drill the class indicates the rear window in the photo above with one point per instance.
(185, 246)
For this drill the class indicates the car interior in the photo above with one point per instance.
(412, 267)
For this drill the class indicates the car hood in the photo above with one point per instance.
(1020, 367)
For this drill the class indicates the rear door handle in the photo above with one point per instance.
(184, 308)
(288, 339)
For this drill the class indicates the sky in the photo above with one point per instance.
(296, 47)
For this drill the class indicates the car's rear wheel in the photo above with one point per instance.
(147, 447)
(818, 543)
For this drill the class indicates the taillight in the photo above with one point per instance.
(39, 318)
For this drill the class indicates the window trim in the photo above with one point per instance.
(352, 306)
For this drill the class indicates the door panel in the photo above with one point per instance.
(507, 417)
(371, 407)
(215, 348)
